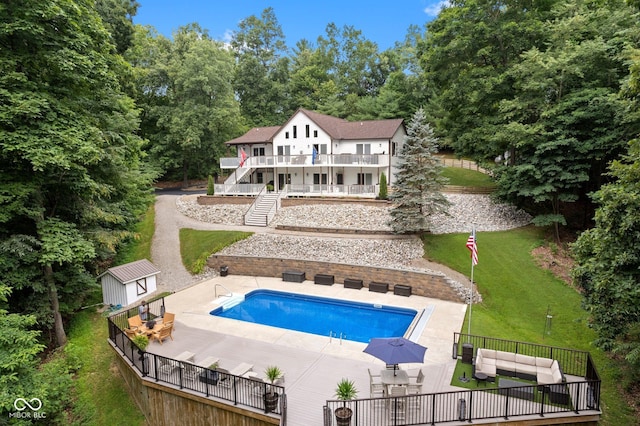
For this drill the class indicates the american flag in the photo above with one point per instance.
(473, 247)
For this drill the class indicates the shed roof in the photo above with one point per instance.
(132, 271)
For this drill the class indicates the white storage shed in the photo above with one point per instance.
(128, 283)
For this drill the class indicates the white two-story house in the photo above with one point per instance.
(315, 154)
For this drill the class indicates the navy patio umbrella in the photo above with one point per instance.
(395, 350)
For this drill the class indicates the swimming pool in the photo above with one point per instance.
(319, 315)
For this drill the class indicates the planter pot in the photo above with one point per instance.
(210, 377)
(343, 416)
(271, 401)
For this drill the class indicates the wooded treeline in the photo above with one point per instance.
(93, 110)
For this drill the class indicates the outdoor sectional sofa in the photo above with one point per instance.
(544, 371)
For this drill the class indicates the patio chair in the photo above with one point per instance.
(163, 333)
(415, 387)
(376, 387)
(397, 406)
(131, 333)
(166, 366)
(135, 322)
(168, 318)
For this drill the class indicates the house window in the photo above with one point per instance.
(319, 178)
(141, 286)
(363, 148)
(286, 135)
(365, 179)
(259, 177)
(394, 147)
(315, 133)
(295, 132)
(258, 152)
(306, 130)
(340, 179)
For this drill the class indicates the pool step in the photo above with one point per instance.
(228, 302)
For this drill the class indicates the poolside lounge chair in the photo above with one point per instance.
(241, 369)
(189, 370)
(208, 362)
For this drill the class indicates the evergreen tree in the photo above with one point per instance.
(417, 195)
(383, 187)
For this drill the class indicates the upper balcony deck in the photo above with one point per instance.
(333, 160)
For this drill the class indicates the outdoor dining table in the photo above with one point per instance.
(400, 378)
(149, 331)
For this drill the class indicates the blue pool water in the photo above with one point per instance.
(318, 315)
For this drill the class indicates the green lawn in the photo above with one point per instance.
(516, 295)
(197, 246)
(102, 397)
(465, 177)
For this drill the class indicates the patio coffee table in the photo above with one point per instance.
(513, 388)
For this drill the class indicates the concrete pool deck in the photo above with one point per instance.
(313, 364)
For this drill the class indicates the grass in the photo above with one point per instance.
(101, 391)
(197, 246)
(140, 246)
(516, 296)
(465, 177)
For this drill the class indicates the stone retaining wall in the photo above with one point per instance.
(422, 284)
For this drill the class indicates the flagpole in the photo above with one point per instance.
(471, 296)
(473, 232)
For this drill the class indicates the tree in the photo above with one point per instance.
(465, 55)
(417, 192)
(185, 89)
(608, 260)
(383, 187)
(262, 71)
(565, 122)
(71, 177)
(117, 16)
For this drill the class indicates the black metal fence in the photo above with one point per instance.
(236, 390)
(468, 405)
(487, 402)
(573, 362)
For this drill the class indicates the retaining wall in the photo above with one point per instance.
(422, 284)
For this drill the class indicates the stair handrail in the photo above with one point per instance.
(256, 201)
(215, 291)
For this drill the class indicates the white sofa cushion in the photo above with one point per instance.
(525, 359)
(544, 362)
(528, 369)
(506, 356)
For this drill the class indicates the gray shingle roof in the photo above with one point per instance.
(337, 128)
(132, 271)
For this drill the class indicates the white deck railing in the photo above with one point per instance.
(343, 160)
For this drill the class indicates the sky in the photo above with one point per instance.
(381, 21)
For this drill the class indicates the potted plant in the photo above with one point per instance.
(141, 341)
(345, 391)
(273, 373)
(210, 376)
